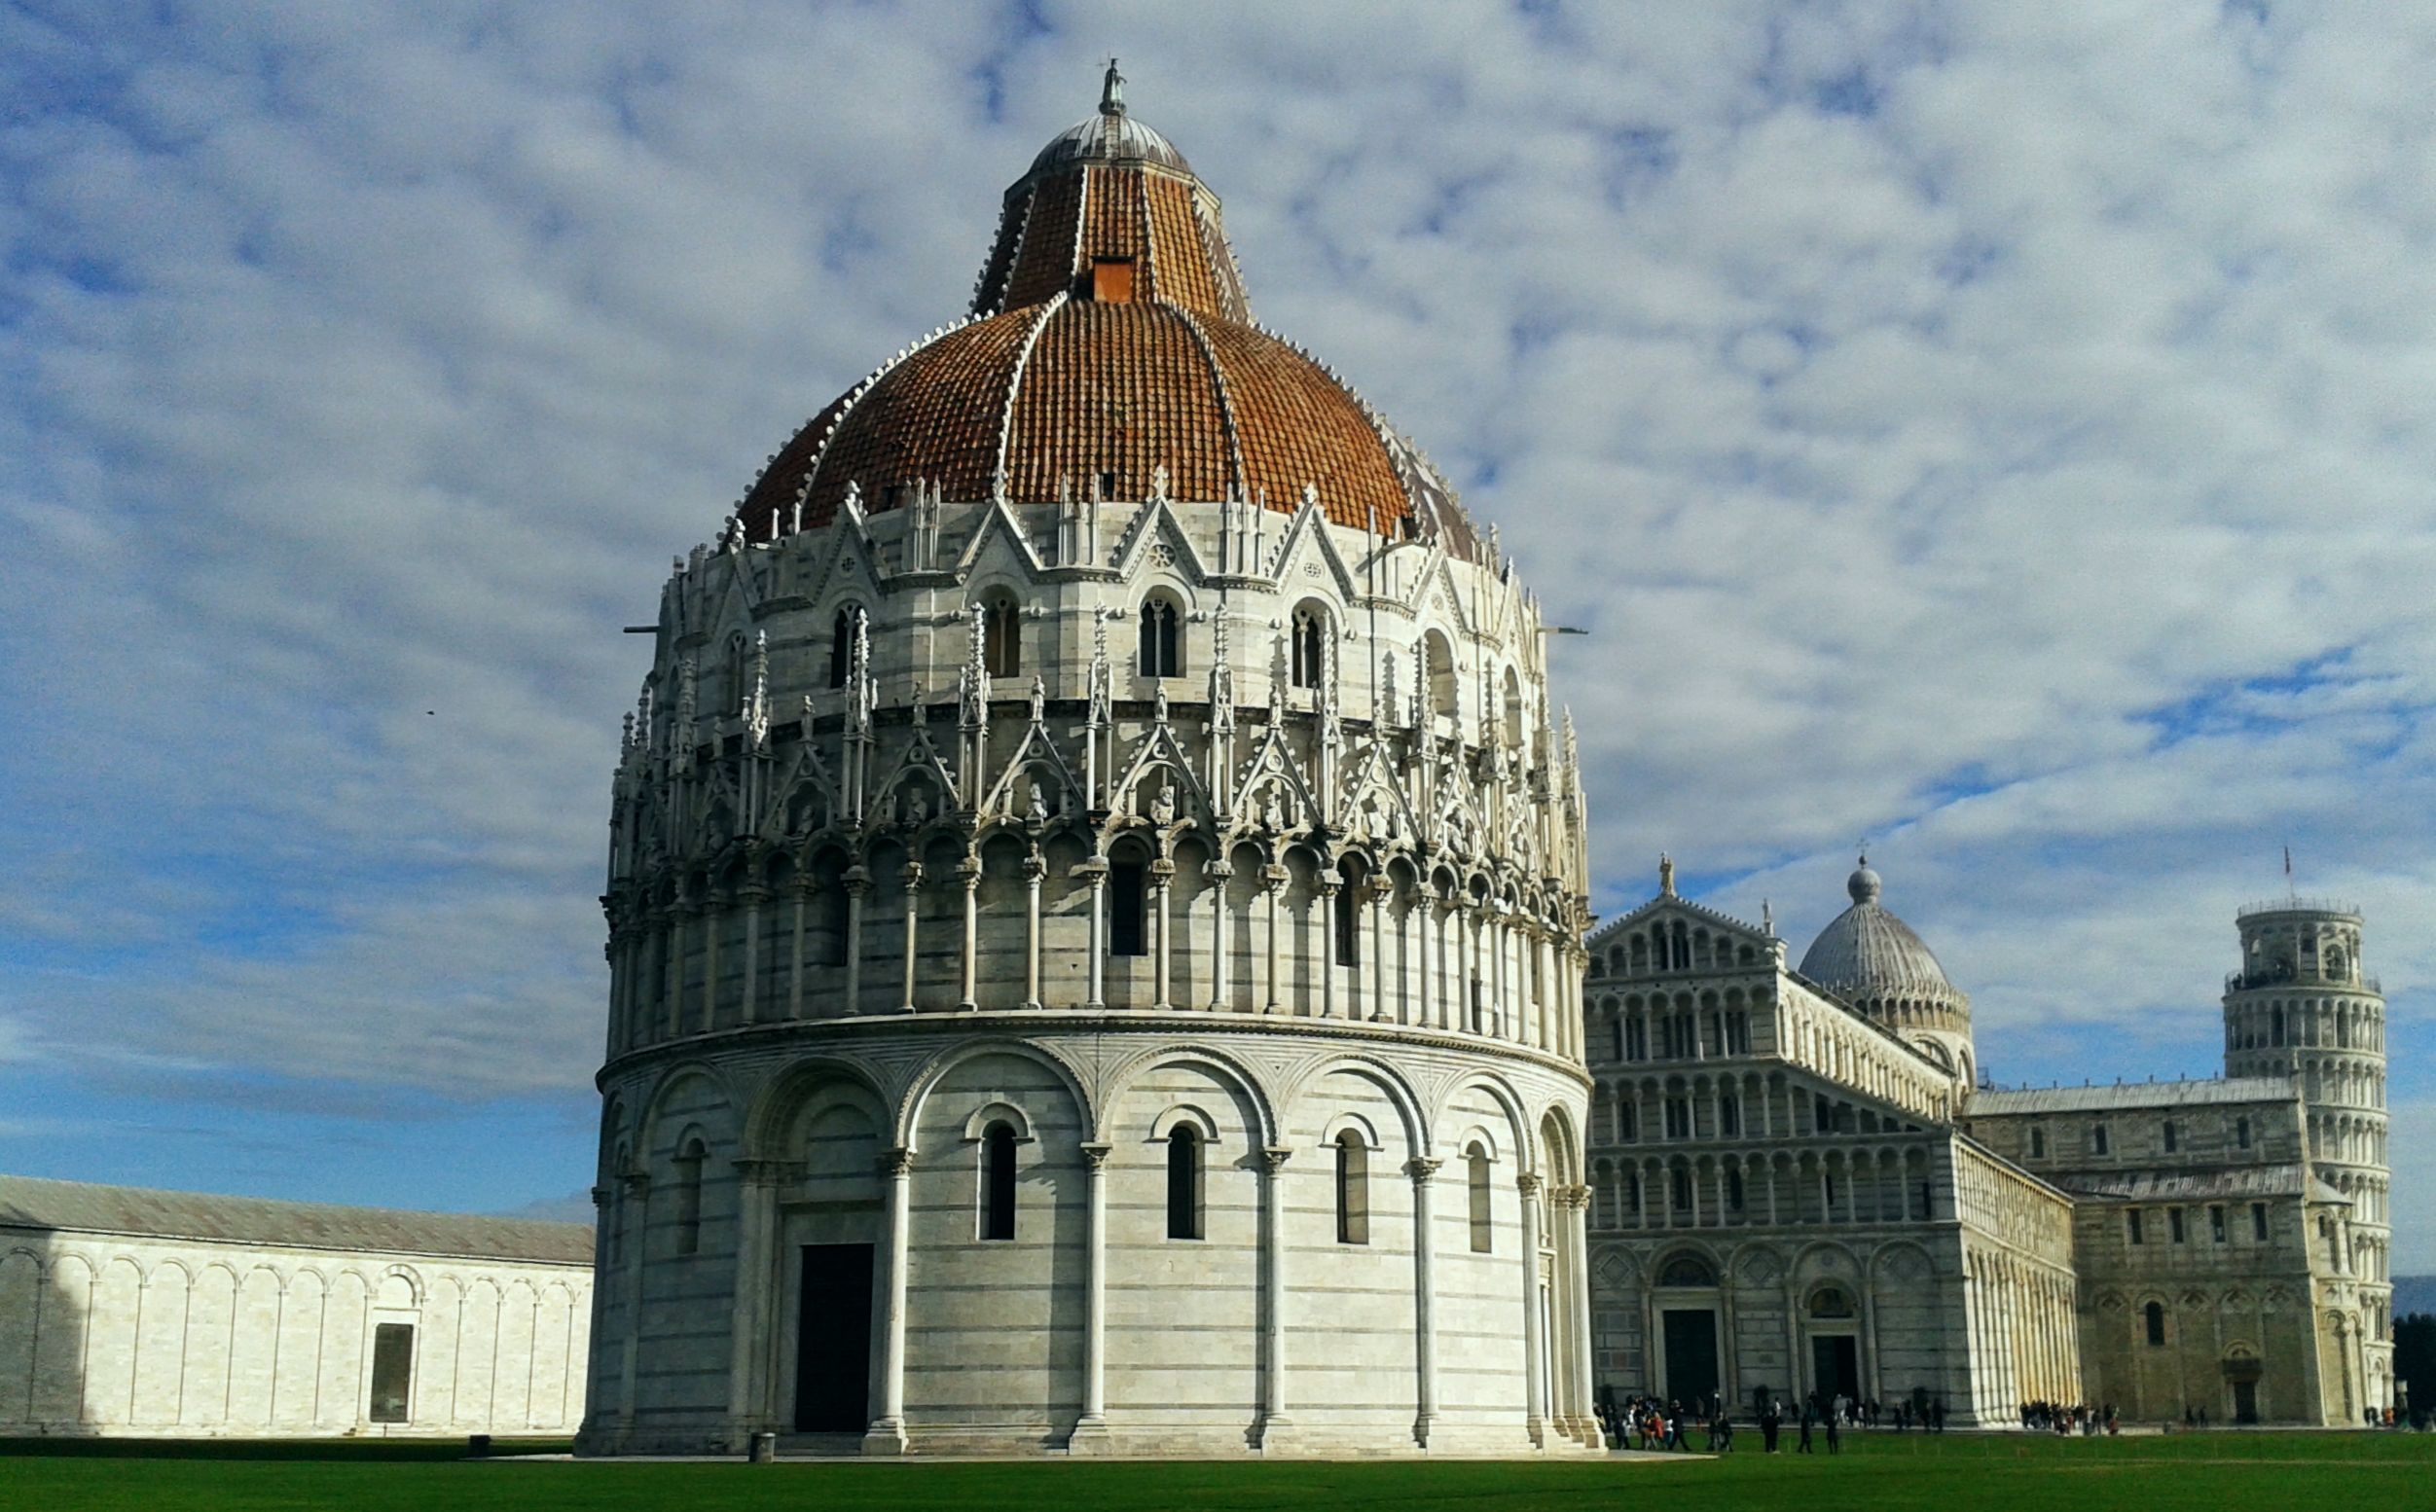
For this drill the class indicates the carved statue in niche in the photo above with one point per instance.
(1163, 807)
(1035, 807)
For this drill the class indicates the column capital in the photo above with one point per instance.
(898, 1162)
(1527, 1184)
(1095, 1152)
(1275, 1156)
(1421, 1167)
(760, 1173)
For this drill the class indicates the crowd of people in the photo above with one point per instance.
(1650, 1422)
(2080, 1418)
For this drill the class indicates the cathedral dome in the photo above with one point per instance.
(1109, 344)
(1868, 952)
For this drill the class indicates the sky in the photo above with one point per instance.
(1999, 434)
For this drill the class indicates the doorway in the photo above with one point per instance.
(1836, 1367)
(1691, 1354)
(833, 1339)
(2246, 1401)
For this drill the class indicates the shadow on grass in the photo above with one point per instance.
(350, 1450)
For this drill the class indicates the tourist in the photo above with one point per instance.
(1803, 1447)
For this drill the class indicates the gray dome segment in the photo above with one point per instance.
(1108, 138)
(1866, 951)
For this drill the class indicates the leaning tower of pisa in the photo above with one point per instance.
(2301, 1006)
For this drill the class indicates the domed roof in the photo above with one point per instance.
(1109, 337)
(1866, 952)
(1111, 132)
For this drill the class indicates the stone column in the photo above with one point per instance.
(1535, 1399)
(749, 1010)
(887, 1434)
(635, 1219)
(913, 917)
(1163, 877)
(1272, 883)
(969, 873)
(1328, 945)
(858, 883)
(1376, 886)
(1424, 1319)
(1275, 1425)
(672, 941)
(1033, 869)
(1098, 872)
(1091, 1429)
(715, 915)
(1222, 872)
(1426, 951)
(796, 958)
(748, 1401)
(1577, 1264)
(1467, 958)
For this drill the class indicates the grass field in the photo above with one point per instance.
(2205, 1472)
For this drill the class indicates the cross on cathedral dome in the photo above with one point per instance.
(1109, 337)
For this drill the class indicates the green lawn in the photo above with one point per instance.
(2205, 1472)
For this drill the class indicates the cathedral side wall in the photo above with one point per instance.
(121, 1336)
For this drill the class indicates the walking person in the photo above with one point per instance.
(1803, 1447)
(1835, 1440)
(1772, 1419)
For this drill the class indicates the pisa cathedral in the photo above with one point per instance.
(1799, 1183)
(1097, 907)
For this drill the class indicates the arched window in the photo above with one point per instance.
(2097, 1139)
(997, 1180)
(1159, 655)
(1439, 663)
(1476, 1188)
(1183, 1182)
(733, 670)
(2278, 1028)
(1001, 636)
(1347, 909)
(841, 646)
(2174, 1138)
(1311, 645)
(1733, 1190)
(1831, 1302)
(1352, 1190)
(1687, 1271)
(1129, 905)
(2154, 1315)
(689, 1197)
(2242, 1133)
(2038, 1145)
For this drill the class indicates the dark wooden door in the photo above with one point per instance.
(1691, 1354)
(833, 1339)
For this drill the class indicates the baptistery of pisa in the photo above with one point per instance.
(1095, 906)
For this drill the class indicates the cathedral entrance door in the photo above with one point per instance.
(1835, 1366)
(1691, 1354)
(2246, 1401)
(833, 1339)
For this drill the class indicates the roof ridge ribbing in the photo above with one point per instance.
(1226, 399)
(1014, 385)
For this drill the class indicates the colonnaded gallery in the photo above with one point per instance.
(1097, 909)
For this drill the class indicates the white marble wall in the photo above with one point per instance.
(113, 1336)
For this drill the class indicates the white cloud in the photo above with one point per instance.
(2000, 430)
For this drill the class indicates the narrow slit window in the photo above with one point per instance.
(1128, 909)
(690, 1198)
(1477, 1189)
(1183, 1182)
(1352, 1190)
(997, 1181)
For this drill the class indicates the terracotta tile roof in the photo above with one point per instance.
(1068, 390)
(79, 1206)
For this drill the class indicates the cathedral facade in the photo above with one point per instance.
(1801, 1184)
(1095, 906)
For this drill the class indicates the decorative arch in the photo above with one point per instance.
(1502, 1093)
(997, 1110)
(1206, 1059)
(909, 1108)
(1188, 1115)
(784, 1097)
(1400, 1094)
